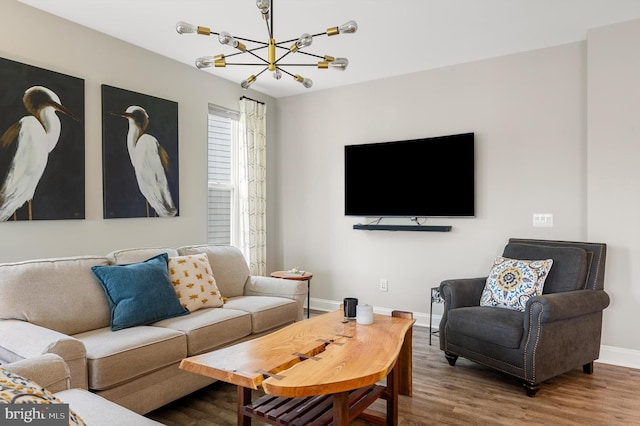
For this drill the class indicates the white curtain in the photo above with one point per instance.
(252, 184)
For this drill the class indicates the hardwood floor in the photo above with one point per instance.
(467, 394)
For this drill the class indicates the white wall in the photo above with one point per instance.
(614, 174)
(39, 39)
(528, 114)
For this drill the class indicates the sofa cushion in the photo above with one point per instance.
(193, 282)
(210, 328)
(503, 327)
(50, 293)
(511, 282)
(133, 255)
(266, 312)
(228, 265)
(570, 264)
(15, 389)
(117, 357)
(139, 293)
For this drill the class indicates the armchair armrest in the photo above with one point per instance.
(565, 305)
(459, 293)
(48, 370)
(268, 286)
(21, 340)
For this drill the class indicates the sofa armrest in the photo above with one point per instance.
(462, 292)
(48, 370)
(22, 340)
(268, 286)
(565, 305)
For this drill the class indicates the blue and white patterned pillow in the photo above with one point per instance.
(512, 282)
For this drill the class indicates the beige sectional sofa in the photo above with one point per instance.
(58, 306)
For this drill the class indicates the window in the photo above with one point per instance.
(222, 205)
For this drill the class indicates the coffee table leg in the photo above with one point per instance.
(392, 395)
(244, 398)
(341, 408)
(405, 358)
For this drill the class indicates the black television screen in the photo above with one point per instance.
(427, 177)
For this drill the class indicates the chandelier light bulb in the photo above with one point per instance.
(340, 64)
(248, 82)
(186, 28)
(227, 39)
(205, 62)
(306, 82)
(305, 40)
(348, 27)
(263, 5)
(277, 74)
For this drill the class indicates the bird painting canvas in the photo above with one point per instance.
(140, 154)
(41, 144)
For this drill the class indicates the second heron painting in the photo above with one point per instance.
(140, 154)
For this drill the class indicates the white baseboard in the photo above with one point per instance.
(619, 356)
(422, 319)
(622, 357)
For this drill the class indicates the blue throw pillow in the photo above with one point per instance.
(139, 293)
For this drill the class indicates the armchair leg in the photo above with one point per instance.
(531, 388)
(588, 368)
(451, 358)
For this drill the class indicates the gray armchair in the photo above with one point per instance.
(559, 330)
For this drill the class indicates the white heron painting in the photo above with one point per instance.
(140, 154)
(41, 144)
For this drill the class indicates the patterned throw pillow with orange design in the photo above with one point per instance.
(15, 389)
(193, 282)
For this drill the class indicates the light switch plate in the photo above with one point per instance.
(544, 220)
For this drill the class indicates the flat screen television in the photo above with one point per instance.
(428, 177)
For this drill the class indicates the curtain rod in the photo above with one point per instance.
(245, 97)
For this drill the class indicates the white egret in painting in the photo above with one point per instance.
(32, 139)
(150, 162)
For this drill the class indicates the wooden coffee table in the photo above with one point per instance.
(317, 371)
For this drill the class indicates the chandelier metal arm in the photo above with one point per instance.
(248, 50)
(295, 39)
(270, 27)
(245, 63)
(266, 68)
(296, 65)
(256, 56)
(239, 38)
(286, 72)
(252, 41)
(311, 54)
(281, 57)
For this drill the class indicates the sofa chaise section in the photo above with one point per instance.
(50, 372)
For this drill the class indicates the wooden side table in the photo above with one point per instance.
(298, 277)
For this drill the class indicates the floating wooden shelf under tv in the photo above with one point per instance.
(426, 228)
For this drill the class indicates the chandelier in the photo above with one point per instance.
(272, 62)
